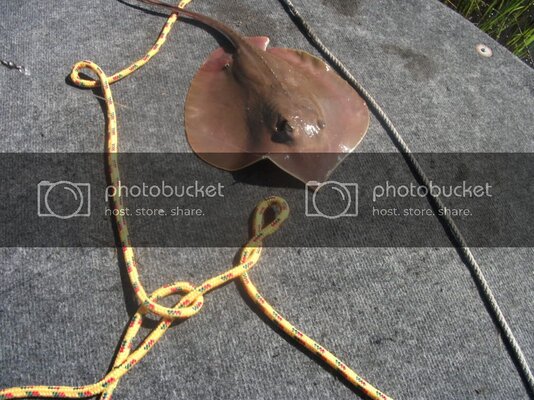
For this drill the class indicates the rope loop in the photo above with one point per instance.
(260, 230)
(87, 83)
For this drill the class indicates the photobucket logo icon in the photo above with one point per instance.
(331, 199)
(63, 199)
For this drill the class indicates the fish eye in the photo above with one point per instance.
(283, 132)
(321, 124)
(282, 125)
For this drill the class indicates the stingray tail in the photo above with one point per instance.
(233, 37)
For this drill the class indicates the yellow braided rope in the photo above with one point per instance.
(193, 299)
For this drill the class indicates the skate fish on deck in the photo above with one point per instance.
(253, 102)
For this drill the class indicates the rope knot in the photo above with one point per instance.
(193, 300)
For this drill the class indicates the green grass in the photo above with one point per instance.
(511, 22)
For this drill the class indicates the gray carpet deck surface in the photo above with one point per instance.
(410, 320)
